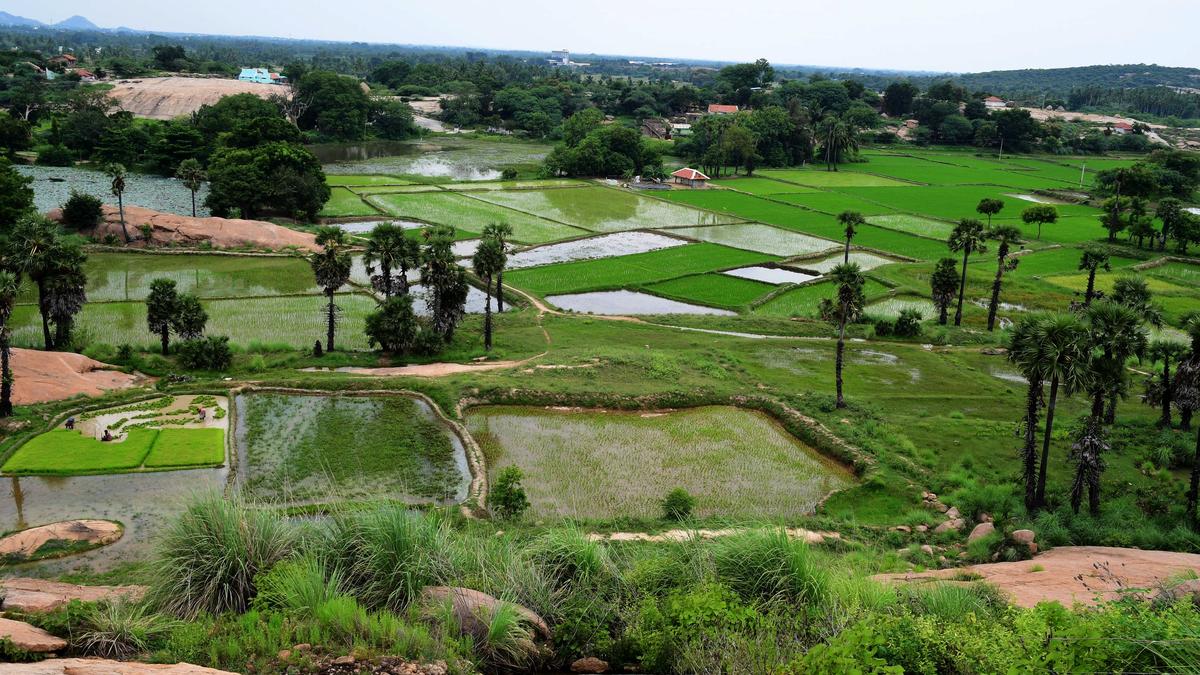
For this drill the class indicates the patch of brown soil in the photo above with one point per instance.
(810, 536)
(39, 595)
(52, 376)
(1071, 574)
(430, 369)
(170, 228)
(105, 667)
(164, 98)
(27, 542)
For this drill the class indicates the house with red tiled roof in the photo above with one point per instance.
(718, 109)
(690, 177)
(994, 103)
(1122, 128)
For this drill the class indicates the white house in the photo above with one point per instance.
(994, 103)
(259, 75)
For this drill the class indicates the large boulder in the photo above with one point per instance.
(172, 229)
(30, 638)
(473, 610)
(589, 664)
(39, 595)
(981, 530)
(40, 376)
(105, 667)
(950, 525)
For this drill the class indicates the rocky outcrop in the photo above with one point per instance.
(105, 667)
(981, 530)
(589, 664)
(473, 610)
(30, 638)
(39, 595)
(28, 542)
(53, 376)
(175, 230)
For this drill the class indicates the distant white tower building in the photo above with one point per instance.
(560, 57)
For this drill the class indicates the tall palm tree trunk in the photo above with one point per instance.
(487, 314)
(193, 203)
(387, 279)
(1110, 413)
(403, 279)
(6, 378)
(331, 320)
(846, 257)
(943, 314)
(1029, 450)
(1167, 394)
(47, 340)
(164, 337)
(500, 291)
(841, 359)
(962, 288)
(1091, 288)
(995, 303)
(1041, 486)
(121, 210)
(1194, 490)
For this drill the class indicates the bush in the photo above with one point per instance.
(507, 497)
(909, 323)
(509, 174)
(207, 353)
(298, 585)
(678, 505)
(568, 556)
(82, 211)
(769, 565)
(55, 155)
(120, 630)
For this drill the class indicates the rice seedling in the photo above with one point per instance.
(713, 289)
(599, 209)
(758, 237)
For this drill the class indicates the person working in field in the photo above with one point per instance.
(70, 424)
(203, 414)
(107, 436)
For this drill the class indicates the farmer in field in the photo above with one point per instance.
(107, 436)
(70, 424)
(203, 414)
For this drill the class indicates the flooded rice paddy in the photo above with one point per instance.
(52, 187)
(604, 246)
(772, 275)
(628, 302)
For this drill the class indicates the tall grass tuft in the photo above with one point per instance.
(298, 585)
(507, 644)
(568, 557)
(209, 557)
(120, 630)
(952, 602)
(769, 565)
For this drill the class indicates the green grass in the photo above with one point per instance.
(1185, 274)
(924, 227)
(366, 190)
(736, 463)
(718, 290)
(630, 271)
(954, 203)
(1105, 281)
(601, 209)
(317, 448)
(514, 185)
(890, 307)
(472, 215)
(1059, 261)
(758, 237)
(761, 186)
(179, 448)
(804, 300)
(819, 177)
(833, 203)
(63, 452)
(955, 170)
(361, 180)
(343, 202)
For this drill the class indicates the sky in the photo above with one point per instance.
(934, 35)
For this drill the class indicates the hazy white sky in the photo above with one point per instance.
(939, 35)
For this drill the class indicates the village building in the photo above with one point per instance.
(1122, 128)
(719, 109)
(994, 103)
(260, 76)
(63, 60)
(84, 74)
(690, 177)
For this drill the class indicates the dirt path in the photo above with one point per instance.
(429, 369)
(40, 376)
(1071, 574)
(810, 536)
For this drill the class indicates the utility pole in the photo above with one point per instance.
(1082, 171)
(1002, 147)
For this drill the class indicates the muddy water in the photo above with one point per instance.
(628, 302)
(771, 275)
(604, 246)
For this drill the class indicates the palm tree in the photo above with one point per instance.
(989, 207)
(1025, 352)
(501, 232)
(1087, 453)
(193, 177)
(331, 268)
(1093, 258)
(1194, 490)
(838, 138)
(10, 286)
(66, 292)
(489, 259)
(1006, 236)
(1116, 332)
(849, 281)
(35, 246)
(117, 173)
(969, 237)
(850, 220)
(1063, 355)
(1133, 292)
(395, 253)
(1187, 378)
(1165, 351)
(943, 284)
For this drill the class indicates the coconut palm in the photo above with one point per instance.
(331, 268)
(969, 237)
(1094, 258)
(1063, 355)
(395, 253)
(1087, 453)
(117, 173)
(847, 305)
(488, 261)
(838, 138)
(192, 175)
(501, 232)
(10, 286)
(989, 207)
(1116, 332)
(1165, 352)
(943, 284)
(1006, 236)
(850, 220)
(1024, 351)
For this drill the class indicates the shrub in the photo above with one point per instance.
(507, 497)
(981, 549)
(390, 554)
(318, 351)
(120, 630)
(55, 155)
(909, 323)
(768, 565)
(568, 556)
(298, 585)
(678, 505)
(207, 353)
(209, 557)
(509, 174)
(82, 211)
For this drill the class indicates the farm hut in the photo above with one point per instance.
(1122, 128)
(690, 177)
(994, 103)
(718, 109)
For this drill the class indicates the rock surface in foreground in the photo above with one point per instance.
(39, 595)
(173, 229)
(27, 542)
(30, 638)
(104, 667)
(53, 376)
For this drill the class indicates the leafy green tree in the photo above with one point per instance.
(393, 326)
(1039, 215)
(488, 260)
(1064, 355)
(82, 211)
(1025, 352)
(189, 318)
(206, 353)
(10, 287)
(898, 98)
(850, 221)
(192, 175)
(16, 195)
(848, 280)
(837, 139)
(275, 177)
(395, 253)
(444, 280)
(1093, 258)
(1164, 352)
(989, 207)
(331, 268)
(740, 145)
(117, 173)
(968, 236)
(337, 106)
(176, 142)
(14, 134)
(943, 285)
(161, 305)
(1006, 236)
(507, 498)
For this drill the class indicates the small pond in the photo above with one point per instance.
(459, 158)
(772, 275)
(629, 302)
(52, 186)
(368, 226)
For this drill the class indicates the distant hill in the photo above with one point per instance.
(1062, 80)
(77, 23)
(7, 19)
